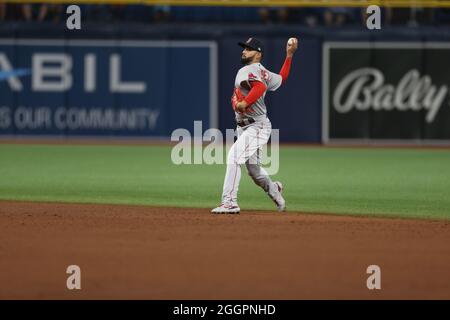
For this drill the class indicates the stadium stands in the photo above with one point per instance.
(310, 17)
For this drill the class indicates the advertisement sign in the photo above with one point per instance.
(386, 91)
(106, 87)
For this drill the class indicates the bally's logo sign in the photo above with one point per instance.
(386, 91)
(366, 88)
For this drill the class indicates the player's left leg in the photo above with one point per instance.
(261, 178)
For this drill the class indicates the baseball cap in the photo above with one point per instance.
(252, 43)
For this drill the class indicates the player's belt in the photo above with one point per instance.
(245, 122)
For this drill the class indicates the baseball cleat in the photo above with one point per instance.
(279, 200)
(225, 208)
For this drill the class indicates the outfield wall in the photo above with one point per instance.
(149, 80)
(106, 87)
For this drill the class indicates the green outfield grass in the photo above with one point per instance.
(393, 182)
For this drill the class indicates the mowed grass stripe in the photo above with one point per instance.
(393, 182)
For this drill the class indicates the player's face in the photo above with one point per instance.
(248, 55)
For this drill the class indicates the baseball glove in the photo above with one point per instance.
(237, 96)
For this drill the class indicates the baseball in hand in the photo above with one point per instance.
(291, 46)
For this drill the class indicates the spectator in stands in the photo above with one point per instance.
(273, 15)
(2, 11)
(43, 12)
(337, 16)
(296, 15)
(10, 12)
(161, 13)
(423, 16)
(36, 12)
(410, 16)
(55, 12)
(311, 17)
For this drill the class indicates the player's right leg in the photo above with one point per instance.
(244, 147)
(231, 182)
(261, 178)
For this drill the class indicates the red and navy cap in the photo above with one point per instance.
(253, 44)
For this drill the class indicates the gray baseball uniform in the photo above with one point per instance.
(256, 72)
(252, 137)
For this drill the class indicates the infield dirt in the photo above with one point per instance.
(137, 252)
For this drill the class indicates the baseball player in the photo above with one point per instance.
(253, 127)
